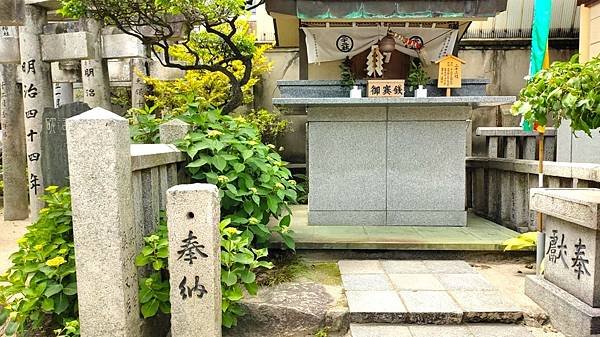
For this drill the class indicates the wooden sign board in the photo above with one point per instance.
(450, 72)
(385, 88)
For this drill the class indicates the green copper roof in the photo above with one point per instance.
(408, 9)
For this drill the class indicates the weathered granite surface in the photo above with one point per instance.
(173, 130)
(510, 131)
(103, 224)
(334, 88)
(570, 315)
(297, 309)
(395, 165)
(452, 100)
(569, 291)
(193, 213)
(572, 240)
(422, 292)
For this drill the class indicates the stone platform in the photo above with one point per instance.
(479, 235)
(422, 292)
(467, 330)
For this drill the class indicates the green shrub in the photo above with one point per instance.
(254, 183)
(144, 125)
(417, 75)
(254, 186)
(269, 124)
(238, 262)
(567, 90)
(40, 289)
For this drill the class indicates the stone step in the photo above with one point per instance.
(422, 292)
(463, 330)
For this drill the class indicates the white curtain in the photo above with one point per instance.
(335, 43)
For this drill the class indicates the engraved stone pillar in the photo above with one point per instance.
(103, 224)
(194, 260)
(138, 87)
(37, 95)
(14, 155)
(94, 72)
(63, 94)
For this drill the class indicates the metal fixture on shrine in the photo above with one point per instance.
(387, 44)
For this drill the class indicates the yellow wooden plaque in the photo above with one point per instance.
(450, 72)
(385, 88)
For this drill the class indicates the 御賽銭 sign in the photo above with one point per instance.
(450, 72)
(385, 88)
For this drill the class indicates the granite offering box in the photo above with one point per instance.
(569, 290)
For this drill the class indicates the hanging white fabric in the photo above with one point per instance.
(335, 43)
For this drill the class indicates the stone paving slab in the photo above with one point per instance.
(435, 292)
(464, 282)
(416, 282)
(360, 267)
(371, 282)
(468, 330)
(485, 306)
(374, 301)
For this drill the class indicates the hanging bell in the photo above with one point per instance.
(387, 44)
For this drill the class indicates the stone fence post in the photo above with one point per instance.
(14, 154)
(103, 224)
(194, 260)
(173, 130)
(568, 291)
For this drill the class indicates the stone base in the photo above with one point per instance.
(570, 315)
(387, 218)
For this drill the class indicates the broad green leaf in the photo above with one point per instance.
(219, 162)
(229, 278)
(3, 316)
(289, 241)
(285, 221)
(273, 204)
(252, 288)
(243, 258)
(247, 276)
(53, 289)
(61, 303)
(198, 162)
(48, 305)
(70, 289)
(150, 308)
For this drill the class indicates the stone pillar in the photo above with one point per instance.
(194, 260)
(510, 148)
(492, 146)
(37, 95)
(138, 87)
(173, 130)
(94, 72)
(530, 148)
(568, 290)
(63, 94)
(14, 155)
(103, 224)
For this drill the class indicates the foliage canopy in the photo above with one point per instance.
(204, 30)
(567, 90)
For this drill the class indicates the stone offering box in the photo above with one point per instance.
(570, 288)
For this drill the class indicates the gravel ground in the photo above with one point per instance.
(11, 232)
